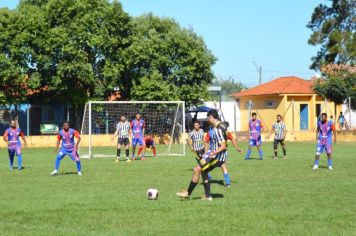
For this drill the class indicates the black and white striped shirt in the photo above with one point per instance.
(216, 137)
(123, 129)
(198, 139)
(279, 128)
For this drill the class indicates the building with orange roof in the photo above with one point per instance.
(290, 96)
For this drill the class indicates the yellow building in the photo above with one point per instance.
(291, 97)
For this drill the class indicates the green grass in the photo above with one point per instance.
(269, 197)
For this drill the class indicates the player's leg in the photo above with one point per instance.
(249, 150)
(226, 175)
(283, 144)
(328, 153)
(11, 158)
(319, 150)
(61, 154)
(75, 157)
(118, 151)
(193, 183)
(154, 151)
(206, 183)
(275, 147)
(127, 147)
(259, 147)
(19, 157)
(142, 149)
(134, 144)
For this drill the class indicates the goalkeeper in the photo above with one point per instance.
(149, 144)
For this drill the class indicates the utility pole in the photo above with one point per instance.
(259, 69)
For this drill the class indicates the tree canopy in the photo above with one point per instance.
(76, 50)
(334, 32)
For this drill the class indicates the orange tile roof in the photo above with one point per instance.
(281, 85)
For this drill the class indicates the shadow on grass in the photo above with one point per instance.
(213, 195)
(69, 173)
(322, 167)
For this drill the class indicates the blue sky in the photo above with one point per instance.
(271, 33)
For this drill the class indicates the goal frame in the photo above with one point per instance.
(88, 106)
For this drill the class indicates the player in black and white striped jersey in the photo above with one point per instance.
(123, 130)
(215, 157)
(195, 140)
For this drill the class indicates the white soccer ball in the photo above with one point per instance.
(152, 194)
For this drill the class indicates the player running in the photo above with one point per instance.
(123, 129)
(69, 147)
(255, 130)
(280, 131)
(325, 133)
(215, 157)
(12, 138)
(149, 144)
(138, 132)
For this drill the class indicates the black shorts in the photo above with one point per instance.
(277, 141)
(123, 141)
(200, 154)
(214, 163)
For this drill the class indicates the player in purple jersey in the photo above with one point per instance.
(12, 137)
(138, 132)
(69, 147)
(325, 134)
(255, 127)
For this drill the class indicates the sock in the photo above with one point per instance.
(284, 152)
(260, 153)
(79, 166)
(133, 151)
(19, 161)
(207, 189)
(127, 154)
(316, 162)
(227, 178)
(139, 151)
(58, 162)
(330, 162)
(275, 153)
(118, 153)
(248, 153)
(11, 159)
(191, 187)
(154, 151)
(209, 176)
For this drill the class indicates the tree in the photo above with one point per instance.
(338, 83)
(69, 51)
(228, 86)
(171, 62)
(334, 30)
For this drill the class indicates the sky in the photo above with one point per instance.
(272, 34)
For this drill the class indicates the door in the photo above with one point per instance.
(304, 117)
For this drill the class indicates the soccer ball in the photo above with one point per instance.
(152, 194)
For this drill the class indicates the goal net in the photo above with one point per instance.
(164, 121)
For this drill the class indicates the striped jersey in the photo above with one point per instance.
(123, 129)
(325, 132)
(216, 136)
(279, 128)
(67, 138)
(13, 137)
(255, 127)
(198, 139)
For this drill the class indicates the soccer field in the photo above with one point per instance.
(269, 197)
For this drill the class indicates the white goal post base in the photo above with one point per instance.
(164, 121)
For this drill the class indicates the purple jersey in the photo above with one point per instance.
(67, 138)
(255, 129)
(13, 137)
(137, 127)
(325, 131)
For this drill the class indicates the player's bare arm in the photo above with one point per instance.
(57, 145)
(78, 141)
(24, 139)
(220, 149)
(115, 134)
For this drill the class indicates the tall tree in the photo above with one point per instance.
(168, 60)
(70, 50)
(334, 31)
(338, 83)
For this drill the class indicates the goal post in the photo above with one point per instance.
(164, 121)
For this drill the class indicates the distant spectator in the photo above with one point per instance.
(341, 121)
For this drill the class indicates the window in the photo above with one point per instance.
(270, 104)
(248, 105)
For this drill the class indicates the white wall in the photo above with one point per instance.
(345, 111)
(231, 112)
